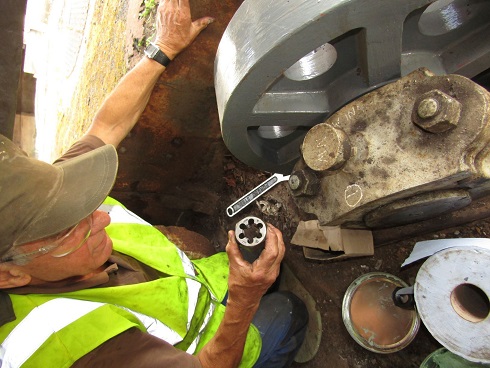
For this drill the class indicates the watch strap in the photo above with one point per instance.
(160, 56)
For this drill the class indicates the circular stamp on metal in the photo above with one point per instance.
(353, 195)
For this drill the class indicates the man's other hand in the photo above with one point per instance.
(175, 28)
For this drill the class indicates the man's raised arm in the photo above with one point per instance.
(122, 108)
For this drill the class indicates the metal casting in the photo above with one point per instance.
(282, 67)
(417, 148)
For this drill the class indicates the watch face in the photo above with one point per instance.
(151, 51)
(154, 53)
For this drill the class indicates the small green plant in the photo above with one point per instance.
(149, 5)
(139, 44)
(148, 40)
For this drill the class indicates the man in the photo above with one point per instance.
(91, 285)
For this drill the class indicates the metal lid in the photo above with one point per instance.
(371, 316)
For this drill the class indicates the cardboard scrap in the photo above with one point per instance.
(332, 243)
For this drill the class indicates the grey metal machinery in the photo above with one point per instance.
(407, 152)
(367, 104)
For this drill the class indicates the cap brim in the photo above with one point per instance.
(86, 181)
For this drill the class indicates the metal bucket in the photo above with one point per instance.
(372, 318)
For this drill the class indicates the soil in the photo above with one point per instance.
(327, 282)
(229, 179)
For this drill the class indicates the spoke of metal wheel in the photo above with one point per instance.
(283, 66)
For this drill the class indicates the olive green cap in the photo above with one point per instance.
(38, 199)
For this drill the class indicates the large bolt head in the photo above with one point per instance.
(325, 148)
(436, 112)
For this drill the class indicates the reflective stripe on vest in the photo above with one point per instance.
(192, 348)
(53, 316)
(122, 215)
(38, 325)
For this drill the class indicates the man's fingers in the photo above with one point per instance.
(168, 4)
(274, 247)
(203, 22)
(184, 4)
(274, 238)
(270, 258)
(234, 254)
(199, 25)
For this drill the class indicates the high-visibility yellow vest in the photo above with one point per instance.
(183, 307)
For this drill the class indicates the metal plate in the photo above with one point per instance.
(452, 291)
(283, 67)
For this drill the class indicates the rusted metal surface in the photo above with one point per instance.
(417, 208)
(304, 182)
(477, 210)
(325, 148)
(395, 167)
(177, 136)
(194, 245)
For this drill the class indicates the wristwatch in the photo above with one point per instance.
(153, 52)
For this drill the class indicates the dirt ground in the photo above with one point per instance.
(328, 282)
(226, 179)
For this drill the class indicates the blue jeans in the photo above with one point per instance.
(281, 319)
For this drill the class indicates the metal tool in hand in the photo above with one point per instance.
(255, 193)
(250, 234)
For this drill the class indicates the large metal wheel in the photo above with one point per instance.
(283, 66)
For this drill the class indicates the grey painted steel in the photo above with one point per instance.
(264, 115)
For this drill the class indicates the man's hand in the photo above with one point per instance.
(123, 107)
(175, 28)
(249, 282)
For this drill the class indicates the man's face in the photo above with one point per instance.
(88, 258)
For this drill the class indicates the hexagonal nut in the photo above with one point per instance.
(304, 183)
(436, 112)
